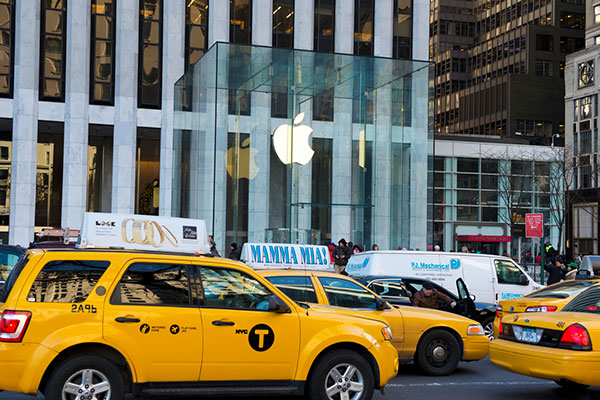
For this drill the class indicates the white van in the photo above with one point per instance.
(490, 278)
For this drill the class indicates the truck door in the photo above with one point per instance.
(512, 282)
(479, 277)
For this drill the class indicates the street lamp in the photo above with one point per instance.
(553, 136)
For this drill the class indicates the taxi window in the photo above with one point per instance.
(561, 290)
(345, 293)
(588, 301)
(389, 288)
(154, 284)
(69, 281)
(298, 288)
(227, 288)
(508, 272)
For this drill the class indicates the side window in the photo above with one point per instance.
(345, 293)
(508, 272)
(389, 288)
(298, 288)
(588, 301)
(227, 288)
(69, 281)
(154, 284)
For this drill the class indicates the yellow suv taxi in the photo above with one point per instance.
(96, 324)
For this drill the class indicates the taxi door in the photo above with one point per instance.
(243, 340)
(152, 315)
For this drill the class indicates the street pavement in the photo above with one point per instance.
(471, 381)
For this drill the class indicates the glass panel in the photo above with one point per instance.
(467, 197)
(489, 181)
(240, 15)
(508, 272)
(154, 285)
(147, 168)
(467, 181)
(225, 288)
(48, 202)
(283, 23)
(467, 213)
(324, 25)
(239, 174)
(298, 288)
(150, 57)
(467, 165)
(489, 214)
(345, 293)
(321, 188)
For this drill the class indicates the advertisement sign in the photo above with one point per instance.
(143, 232)
(534, 225)
(284, 255)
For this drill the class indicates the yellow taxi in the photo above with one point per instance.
(562, 346)
(97, 324)
(435, 340)
(547, 299)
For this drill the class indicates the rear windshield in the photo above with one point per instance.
(588, 302)
(12, 278)
(561, 290)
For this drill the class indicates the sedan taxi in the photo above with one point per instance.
(435, 340)
(563, 346)
(548, 299)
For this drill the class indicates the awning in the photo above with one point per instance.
(482, 238)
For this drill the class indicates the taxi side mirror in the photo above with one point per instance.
(277, 305)
(380, 303)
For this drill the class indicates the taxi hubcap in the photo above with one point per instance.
(87, 384)
(344, 382)
(438, 352)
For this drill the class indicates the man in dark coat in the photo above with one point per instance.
(236, 252)
(341, 254)
(429, 297)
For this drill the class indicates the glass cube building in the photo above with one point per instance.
(287, 145)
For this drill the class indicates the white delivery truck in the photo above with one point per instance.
(490, 278)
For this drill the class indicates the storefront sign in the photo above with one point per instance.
(143, 232)
(483, 238)
(283, 255)
(534, 225)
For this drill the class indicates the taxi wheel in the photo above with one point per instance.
(341, 374)
(86, 377)
(567, 384)
(438, 353)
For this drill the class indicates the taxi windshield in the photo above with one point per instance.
(561, 290)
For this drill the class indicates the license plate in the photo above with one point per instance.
(529, 335)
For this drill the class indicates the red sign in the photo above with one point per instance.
(534, 225)
(482, 238)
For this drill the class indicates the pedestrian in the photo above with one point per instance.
(556, 270)
(437, 248)
(341, 255)
(236, 252)
(213, 246)
(430, 297)
(375, 247)
(357, 248)
(464, 249)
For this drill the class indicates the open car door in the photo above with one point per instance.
(466, 304)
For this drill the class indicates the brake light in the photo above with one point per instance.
(498, 311)
(576, 337)
(541, 309)
(500, 329)
(13, 325)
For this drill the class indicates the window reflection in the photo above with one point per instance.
(7, 34)
(49, 174)
(402, 29)
(147, 171)
(103, 52)
(150, 62)
(364, 13)
(196, 33)
(240, 23)
(283, 23)
(52, 51)
(324, 25)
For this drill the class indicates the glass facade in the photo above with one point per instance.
(53, 44)
(295, 178)
(102, 66)
(150, 55)
(7, 39)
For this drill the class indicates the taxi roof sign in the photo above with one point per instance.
(143, 232)
(285, 255)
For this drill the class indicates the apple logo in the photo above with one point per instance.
(300, 147)
(248, 169)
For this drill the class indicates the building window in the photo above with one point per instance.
(53, 43)
(240, 21)
(7, 34)
(585, 73)
(570, 44)
(544, 42)
(196, 31)
(102, 67)
(597, 40)
(402, 29)
(543, 68)
(597, 14)
(283, 24)
(150, 56)
(364, 13)
(571, 20)
(324, 25)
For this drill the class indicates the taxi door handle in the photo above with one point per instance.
(223, 323)
(126, 319)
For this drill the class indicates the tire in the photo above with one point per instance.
(438, 353)
(358, 384)
(488, 327)
(564, 383)
(106, 381)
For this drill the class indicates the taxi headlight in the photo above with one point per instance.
(475, 330)
(387, 333)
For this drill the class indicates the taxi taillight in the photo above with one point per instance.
(541, 309)
(575, 337)
(13, 325)
(500, 329)
(498, 311)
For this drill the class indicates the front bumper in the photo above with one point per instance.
(546, 362)
(387, 360)
(475, 347)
